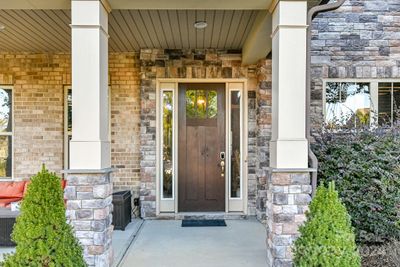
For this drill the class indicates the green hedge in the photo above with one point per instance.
(41, 232)
(327, 238)
(365, 166)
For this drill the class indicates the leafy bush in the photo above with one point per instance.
(365, 166)
(327, 238)
(387, 255)
(41, 232)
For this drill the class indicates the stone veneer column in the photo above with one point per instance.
(288, 196)
(89, 211)
(288, 182)
(89, 185)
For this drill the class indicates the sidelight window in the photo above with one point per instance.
(167, 143)
(235, 144)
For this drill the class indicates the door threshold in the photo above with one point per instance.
(203, 216)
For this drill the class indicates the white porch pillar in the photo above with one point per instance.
(289, 147)
(90, 144)
(89, 186)
(288, 193)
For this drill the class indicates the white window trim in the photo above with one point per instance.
(373, 92)
(172, 90)
(239, 89)
(5, 178)
(66, 132)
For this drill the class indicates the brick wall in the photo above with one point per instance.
(125, 120)
(38, 81)
(359, 40)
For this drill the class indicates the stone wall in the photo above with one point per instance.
(288, 196)
(156, 63)
(264, 117)
(38, 82)
(361, 39)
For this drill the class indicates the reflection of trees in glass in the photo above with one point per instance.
(69, 115)
(5, 128)
(201, 104)
(5, 110)
(212, 104)
(167, 143)
(348, 104)
(235, 144)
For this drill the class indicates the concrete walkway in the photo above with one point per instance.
(167, 244)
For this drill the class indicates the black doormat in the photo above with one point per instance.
(202, 223)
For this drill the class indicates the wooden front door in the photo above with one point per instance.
(201, 184)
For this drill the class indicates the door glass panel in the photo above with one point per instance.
(5, 110)
(167, 145)
(385, 103)
(201, 104)
(235, 165)
(212, 107)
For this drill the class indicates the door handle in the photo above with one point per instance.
(222, 164)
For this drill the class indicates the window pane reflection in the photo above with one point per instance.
(235, 144)
(5, 156)
(5, 110)
(201, 104)
(167, 143)
(348, 104)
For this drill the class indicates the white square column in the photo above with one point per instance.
(89, 182)
(289, 146)
(90, 144)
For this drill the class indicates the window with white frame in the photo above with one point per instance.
(67, 124)
(167, 144)
(359, 103)
(6, 132)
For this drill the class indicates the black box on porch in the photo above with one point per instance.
(122, 215)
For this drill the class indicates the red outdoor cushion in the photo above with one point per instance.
(63, 183)
(6, 202)
(12, 189)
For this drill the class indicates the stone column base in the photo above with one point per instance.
(89, 211)
(288, 196)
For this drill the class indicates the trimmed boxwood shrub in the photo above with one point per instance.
(365, 165)
(41, 232)
(327, 238)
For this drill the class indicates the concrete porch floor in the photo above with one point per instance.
(121, 241)
(164, 243)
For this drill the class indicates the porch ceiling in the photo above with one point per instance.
(39, 30)
(43, 25)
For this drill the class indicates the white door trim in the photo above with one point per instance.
(231, 204)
